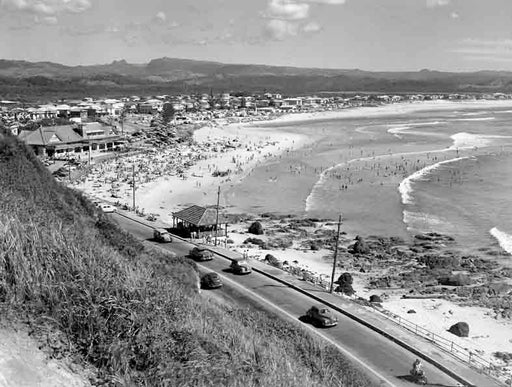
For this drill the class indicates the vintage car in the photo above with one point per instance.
(107, 208)
(321, 316)
(240, 267)
(162, 235)
(200, 253)
(211, 281)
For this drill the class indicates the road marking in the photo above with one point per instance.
(294, 318)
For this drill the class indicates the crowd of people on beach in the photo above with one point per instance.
(115, 178)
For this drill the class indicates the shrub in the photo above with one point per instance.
(344, 282)
(360, 247)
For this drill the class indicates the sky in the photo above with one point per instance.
(385, 35)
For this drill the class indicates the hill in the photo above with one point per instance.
(21, 79)
(92, 292)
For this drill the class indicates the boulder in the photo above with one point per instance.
(375, 299)
(273, 261)
(256, 228)
(460, 329)
(411, 311)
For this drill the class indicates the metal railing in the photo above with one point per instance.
(465, 355)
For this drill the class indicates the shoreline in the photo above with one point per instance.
(239, 148)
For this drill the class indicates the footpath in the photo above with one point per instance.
(420, 346)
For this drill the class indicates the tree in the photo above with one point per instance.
(168, 112)
(122, 117)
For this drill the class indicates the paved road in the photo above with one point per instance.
(385, 362)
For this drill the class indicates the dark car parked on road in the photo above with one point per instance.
(321, 316)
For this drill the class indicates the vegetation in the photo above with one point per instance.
(168, 112)
(130, 312)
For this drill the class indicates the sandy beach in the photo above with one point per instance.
(172, 179)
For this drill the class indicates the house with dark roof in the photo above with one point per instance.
(54, 140)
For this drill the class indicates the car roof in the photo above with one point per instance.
(161, 230)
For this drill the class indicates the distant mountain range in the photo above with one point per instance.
(29, 80)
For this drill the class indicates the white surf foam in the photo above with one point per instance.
(465, 140)
(475, 119)
(475, 113)
(405, 188)
(318, 184)
(397, 129)
(422, 222)
(504, 239)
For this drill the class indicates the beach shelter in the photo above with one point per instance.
(199, 220)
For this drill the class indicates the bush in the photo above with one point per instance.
(257, 242)
(344, 282)
(360, 247)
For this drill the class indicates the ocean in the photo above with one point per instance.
(446, 171)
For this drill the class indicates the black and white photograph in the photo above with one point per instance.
(267, 193)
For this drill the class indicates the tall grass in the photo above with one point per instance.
(132, 313)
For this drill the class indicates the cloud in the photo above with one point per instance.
(46, 7)
(287, 10)
(161, 16)
(454, 15)
(329, 2)
(312, 27)
(50, 20)
(289, 18)
(437, 3)
(45, 11)
(280, 29)
(499, 50)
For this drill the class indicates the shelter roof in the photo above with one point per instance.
(199, 216)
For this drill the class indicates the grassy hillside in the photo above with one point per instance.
(94, 293)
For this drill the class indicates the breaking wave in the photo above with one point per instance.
(405, 188)
(475, 119)
(465, 140)
(397, 129)
(504, 239)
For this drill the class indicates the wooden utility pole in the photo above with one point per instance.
(133, 185)
(217, 216)
(335, 256)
